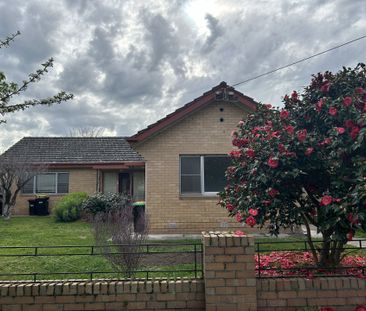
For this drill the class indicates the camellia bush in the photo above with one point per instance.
(304, 164)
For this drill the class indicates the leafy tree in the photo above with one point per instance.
(10, 89)
(305, 163)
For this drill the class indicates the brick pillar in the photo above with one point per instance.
(229, 272)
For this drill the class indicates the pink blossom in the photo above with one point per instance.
(325, 87)
(347, 101)
(238, 217)
(332, 111)
(272, 162)
(235, 153)
(319, 105)
(250, 153)
(326, 200)
(309, 151)
(289, 129)
(239, 233)
(250, 221)
(301, 135)
(284, 114)
(359, 90)
(294, 95)
(230, 207)
(340, 130)
(253, 211)
(354, 132)
(273, 192)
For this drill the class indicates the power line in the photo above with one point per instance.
(299, 61)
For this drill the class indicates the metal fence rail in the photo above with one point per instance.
(154, 255)
(305, 270)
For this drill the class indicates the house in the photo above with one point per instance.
(176, 165)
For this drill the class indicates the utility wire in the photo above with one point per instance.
(299, 61)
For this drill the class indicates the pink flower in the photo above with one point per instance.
(294, 95)
(275, 134)
(332, 111)
(286, 98)
(319, 105)
(284, 114)
(253, 211)
(301, 135)
(325, 87)
(347, 101)
(354, 132)
(241, 123)
(282, 148)
(235, 154)
(250, 153)
(268, 106)
(250, 221)
(349, 123)
(349, 236)
(340, 130)
(326, 141)
(239, 233)
(238, 217)
(273, 192)
(272, 162)
(326, 200)
(359, 90)
(230, 207)
(289, 129)
(360, 308)
(309, 151)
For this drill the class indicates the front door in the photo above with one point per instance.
(124, 183)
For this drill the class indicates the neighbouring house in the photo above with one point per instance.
(175, 165)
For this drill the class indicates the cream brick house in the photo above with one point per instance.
(176, 165)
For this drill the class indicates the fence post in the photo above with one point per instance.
(229, 272)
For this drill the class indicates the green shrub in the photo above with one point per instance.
(69, 207)
(104, 203)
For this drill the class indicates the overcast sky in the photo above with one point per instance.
(129, 63)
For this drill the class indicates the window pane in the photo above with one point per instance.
(28, 187)
(138, 186)
(46, 183)
(110, 182)
(190, 165)
(215, 168)
(190, 184)
(63, 183)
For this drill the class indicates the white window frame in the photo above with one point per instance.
(202, 174)
(56, 186)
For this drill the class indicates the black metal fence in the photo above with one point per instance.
(294, 259)
(168, 260)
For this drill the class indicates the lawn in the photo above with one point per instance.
(44, 231)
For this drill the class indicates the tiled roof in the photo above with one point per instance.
(76, 150)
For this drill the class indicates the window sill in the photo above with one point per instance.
(43, 194)
(198, 196)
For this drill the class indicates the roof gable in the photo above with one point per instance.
(220, 92)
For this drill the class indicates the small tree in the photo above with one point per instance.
(113, 226)
(305, 164)
(87, 132)
(13, 177)
(10, 89)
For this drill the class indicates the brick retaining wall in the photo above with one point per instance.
(143, 295)
(229, 284)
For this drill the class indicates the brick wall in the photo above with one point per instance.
(103, 295)
(341, 293)
(80, 180)
(230, 283)
(199, 134)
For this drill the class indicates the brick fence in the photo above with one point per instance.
(229, 284)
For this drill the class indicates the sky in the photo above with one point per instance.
(129, 63)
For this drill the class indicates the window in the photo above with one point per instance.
(48, 183)
(203, 174)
